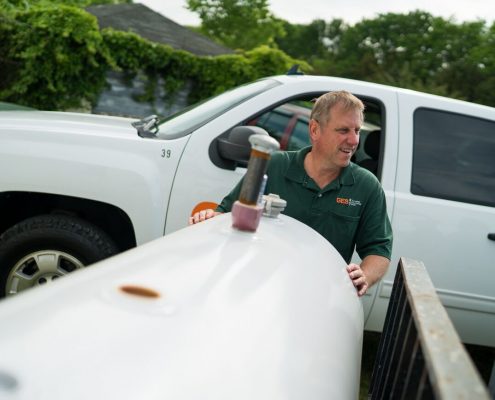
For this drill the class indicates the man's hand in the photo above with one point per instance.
(358, 278)
(203, 215)
(370, 271)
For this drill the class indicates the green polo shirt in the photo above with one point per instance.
(350, 212)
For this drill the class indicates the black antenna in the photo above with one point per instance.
(294, 70)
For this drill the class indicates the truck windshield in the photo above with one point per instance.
(191, 118)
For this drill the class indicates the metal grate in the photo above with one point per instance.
(420, 355)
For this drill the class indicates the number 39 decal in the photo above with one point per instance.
(166, 153)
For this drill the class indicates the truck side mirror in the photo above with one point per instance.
(236, 147)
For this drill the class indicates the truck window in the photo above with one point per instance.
(275, 123)
(191, 118)
(300, 135)
(283, 121)
(453, 157)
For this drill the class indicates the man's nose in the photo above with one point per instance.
(353, 139)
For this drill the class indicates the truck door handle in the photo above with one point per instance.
(491, 236)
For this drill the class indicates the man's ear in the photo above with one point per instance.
(314, 130)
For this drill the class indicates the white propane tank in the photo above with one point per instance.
(207, 312)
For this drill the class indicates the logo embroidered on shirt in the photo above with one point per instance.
(348, 202)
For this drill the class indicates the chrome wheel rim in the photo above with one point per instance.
(40, 268)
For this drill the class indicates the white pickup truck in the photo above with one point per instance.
(77, 188)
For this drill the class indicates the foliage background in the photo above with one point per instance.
(415, 50)
(54, 56)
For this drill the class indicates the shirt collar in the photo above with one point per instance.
(297, 173)
(346, 177)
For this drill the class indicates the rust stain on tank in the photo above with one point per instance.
(140, 291)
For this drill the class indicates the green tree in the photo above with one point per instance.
(472, 70)
(315, 43)
(416, 51)
(238, 24)
(304, 41)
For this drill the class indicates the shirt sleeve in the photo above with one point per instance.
(228, 201)
(279, 161)
(374, 236)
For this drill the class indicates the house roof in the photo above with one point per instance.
(153, 26)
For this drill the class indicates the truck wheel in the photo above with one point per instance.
(41, 249)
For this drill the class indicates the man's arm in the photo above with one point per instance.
(224, 206)
(370, 271)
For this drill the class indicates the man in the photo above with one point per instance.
(323, 189)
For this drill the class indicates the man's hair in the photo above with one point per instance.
(324, 103)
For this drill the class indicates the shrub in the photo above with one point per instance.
(56, 58)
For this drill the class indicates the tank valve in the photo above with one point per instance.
(273, 205)
(246, 212)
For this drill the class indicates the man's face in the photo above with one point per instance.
(338, 140)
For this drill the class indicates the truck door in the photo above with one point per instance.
(444, 212)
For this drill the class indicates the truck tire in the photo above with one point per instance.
(39, 250)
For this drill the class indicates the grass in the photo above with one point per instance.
(371, 341)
